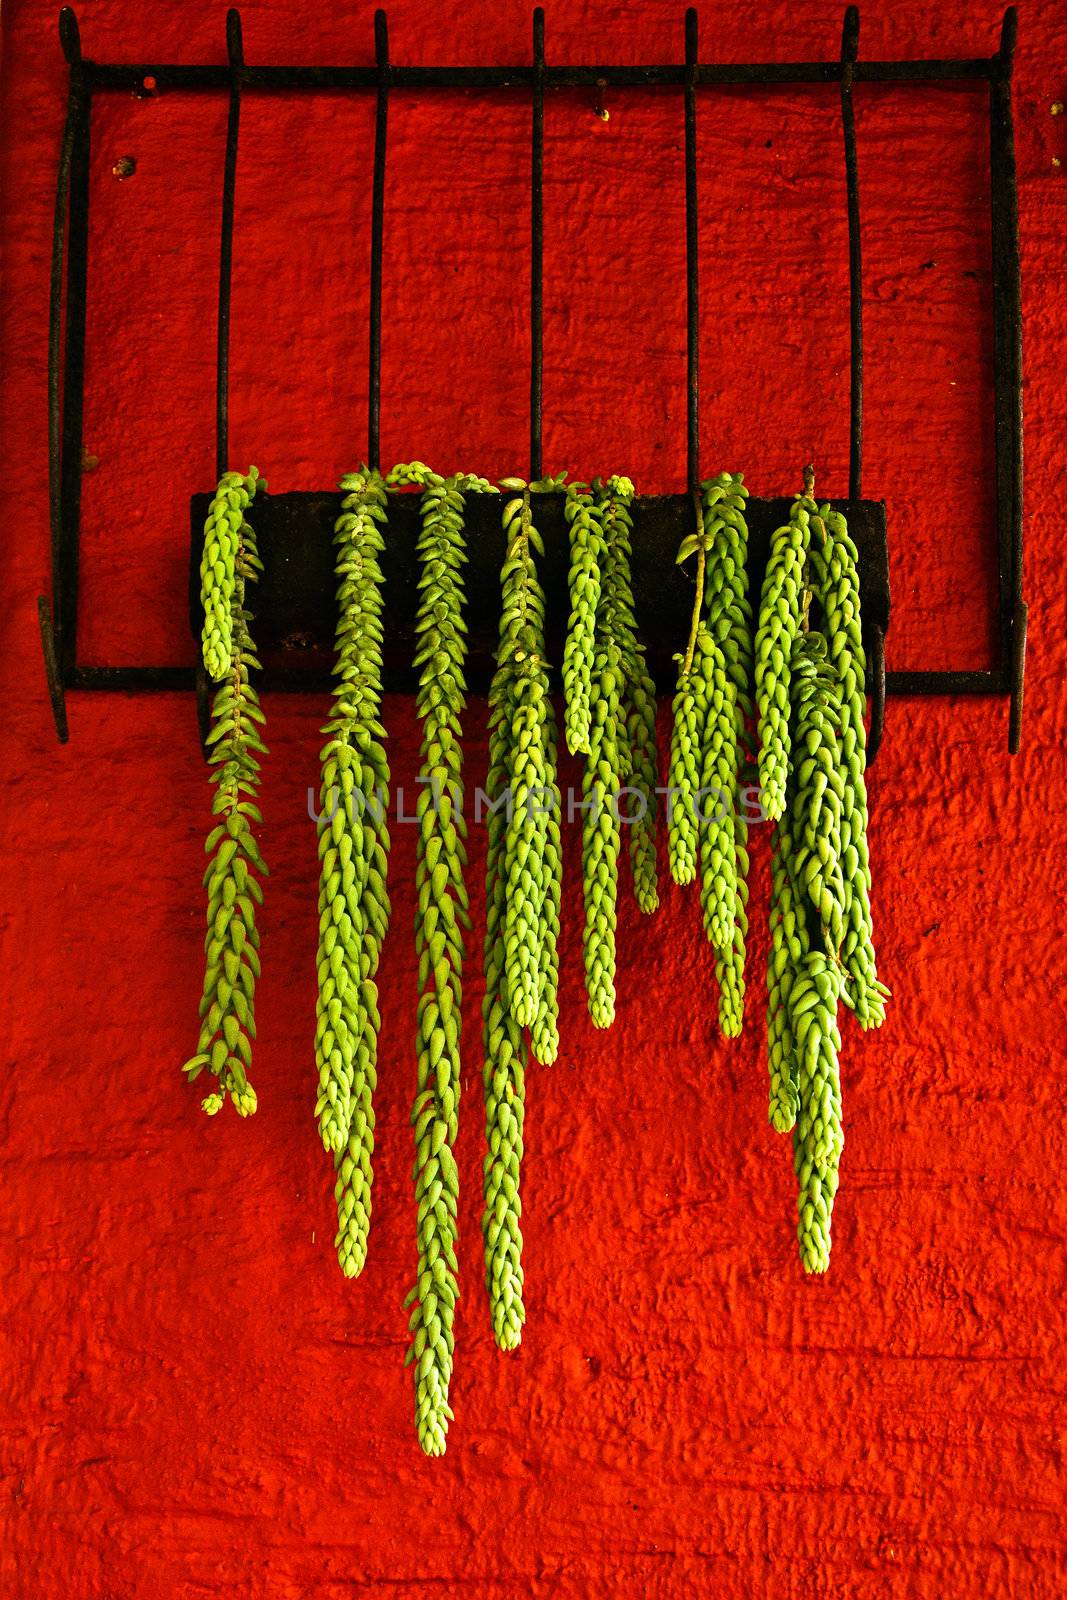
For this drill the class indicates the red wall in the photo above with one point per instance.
(194, 1402)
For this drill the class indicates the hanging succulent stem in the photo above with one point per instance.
(783, 613)
(712, 708)
(544, 1033)
(596, 690)
(522, 907)
(699, 546)
(230, 560)
(817, 1136)
(353, 852)
(523, 887)
(789, 947)
(638, 699)
(790, 944)
(687, 731)
(621, 729)
(584, 519)
(526, 841)
(812, 762)
(532, 853)
(441, 916)
(718, 854)
(504, 1061)
(227, 539)
(602, 780)
(835, 578)
(815, 988)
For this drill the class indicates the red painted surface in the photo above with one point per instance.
(194, 1402)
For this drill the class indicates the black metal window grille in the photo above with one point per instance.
(657, 518)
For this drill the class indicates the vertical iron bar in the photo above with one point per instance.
(235, 54)
(70, 466)
(236, 58)
(377, 225)
(850, 44)
(1007, 374)
(537, 242)
(692, 270)
(850, 41)
(47, 612)
(55, 332)
(53, 677)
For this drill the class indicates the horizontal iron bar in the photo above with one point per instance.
(127, 679)
(278, 680)
(980, 681)
(106, 76)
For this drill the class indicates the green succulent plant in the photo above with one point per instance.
(835, 578)
(637, 709)
(442, 915)
(353, 854)
(229, 562)
(812, 703)
(585, 521)
(523, 885)
(710, 741)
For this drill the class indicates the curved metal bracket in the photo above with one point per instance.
(51, 667)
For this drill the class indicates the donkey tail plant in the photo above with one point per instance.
(230, 561)
(505, 1059)
(708, 833)
(585, 520)
(615, 498)
(531, 857)
(353, 849)
(783, 610)
(836, 581)
(442, 915)
(816, 987)
(505, 1051)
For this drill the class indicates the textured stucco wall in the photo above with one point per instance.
(192, 1401)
